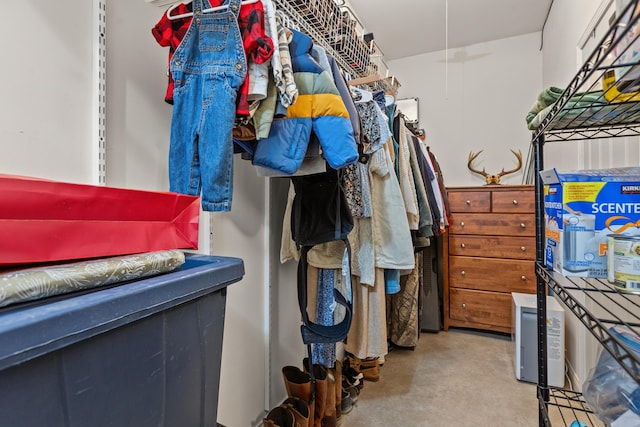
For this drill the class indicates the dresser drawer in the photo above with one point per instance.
(493, 224)
(493, 246)
(479, 307)
(492, 274)
(469, 201)
(513, 201)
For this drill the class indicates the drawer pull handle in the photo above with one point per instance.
(468, 202)
(462, 245)
(462, 224)
(464, 306)
(523, 225)
(523, 249)
(463, 273)
(515, 202)
(523, 278)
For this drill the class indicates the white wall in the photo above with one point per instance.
(138, 119)
(45, 125)
(476, 100)
(562, 57)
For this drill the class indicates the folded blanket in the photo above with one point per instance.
(581, 104)
(35, 283)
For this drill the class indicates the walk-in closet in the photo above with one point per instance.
(320, 213)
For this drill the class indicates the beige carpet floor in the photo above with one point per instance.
(457, 378)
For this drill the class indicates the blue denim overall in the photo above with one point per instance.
(208, 67)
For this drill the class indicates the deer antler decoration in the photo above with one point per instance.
(491, 179)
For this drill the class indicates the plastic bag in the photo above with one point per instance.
(612, 394)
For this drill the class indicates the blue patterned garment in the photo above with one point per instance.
(323, 353)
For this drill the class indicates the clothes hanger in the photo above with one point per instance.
(211, 9)
(286, 20)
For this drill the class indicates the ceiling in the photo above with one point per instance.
(404, 28)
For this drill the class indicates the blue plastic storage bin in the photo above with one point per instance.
(143, 353)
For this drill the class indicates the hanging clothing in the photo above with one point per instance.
(427, 176)
(345, 94)
(405, 177)
(403, 308)
(365, 190)
(368, 334)
(320, 56)
(375, 135)
(352, 186)
(433, 181)
(390, 228)
(263, 117)
(425, 223)
(283, 72)
(443, 188)
(312, 163)
(258, 71)
(257, 46)
(361, 240)
(319, 109)
(169, 33)
(392, 281)
(384, 239)
(208, 68)
(328, 255)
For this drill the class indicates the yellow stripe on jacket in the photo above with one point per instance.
(310, 106)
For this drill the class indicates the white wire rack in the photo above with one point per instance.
(327, 25)
(340, 33)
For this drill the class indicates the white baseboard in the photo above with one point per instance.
(574, 381)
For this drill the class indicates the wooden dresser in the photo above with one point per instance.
(489, 252)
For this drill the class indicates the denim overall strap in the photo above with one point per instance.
(234, 6)
(199, 6)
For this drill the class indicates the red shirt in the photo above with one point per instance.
(170, 32)
(257, 45)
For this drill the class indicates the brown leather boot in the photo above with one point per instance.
(329, 419)
(300, 410)
(320, 375)
(279, 417)
(298, 384)
(370, 368)
(338, 390)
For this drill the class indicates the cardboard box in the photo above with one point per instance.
(582, 208)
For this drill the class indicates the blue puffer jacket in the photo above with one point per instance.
(319, 108)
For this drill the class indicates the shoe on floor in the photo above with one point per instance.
(370, 369)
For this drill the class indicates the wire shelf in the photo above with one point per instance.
(564, 407)
(349, 44)
(579, 113)
(331, 28)
(339, 32)
(602, 306)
